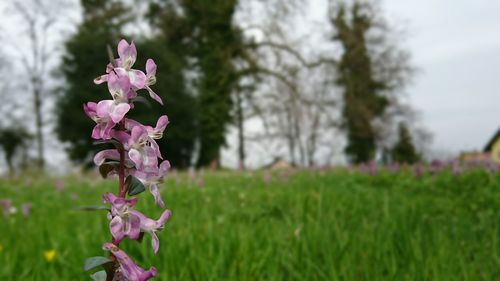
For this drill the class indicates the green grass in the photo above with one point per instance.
(310, 226)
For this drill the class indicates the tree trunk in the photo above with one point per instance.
(241, 137)
(39, 126)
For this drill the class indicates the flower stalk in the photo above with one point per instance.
(134, 160)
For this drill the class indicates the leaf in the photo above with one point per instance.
(134, 185)
(99, 276)
(95, 262)
(107, 167)
(117, 144)
(93, 208)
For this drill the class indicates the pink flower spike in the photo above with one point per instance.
(130, 270)
(127, 53)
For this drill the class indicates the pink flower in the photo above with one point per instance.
(59, 183)
(124, 222)
(151, 180)
(152, 226)
(151, 80)
(128, 268)
(154, 133)
(106, 114)
(26, 209)
(142, 149)
(6, 205)
(120, 88)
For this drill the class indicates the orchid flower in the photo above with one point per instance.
(154, 133)
(151, 80)
(104, 123)
(128, 268)
(152, 180)
(152, 226)
(124, 222)
(142, 149)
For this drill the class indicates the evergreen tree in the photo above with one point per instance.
(208, 38)
(101, 26)
(404, 151)
(363, 101)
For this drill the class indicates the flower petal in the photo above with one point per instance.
(154, 96)
(150, 67)
(101, 156)
(119, 112)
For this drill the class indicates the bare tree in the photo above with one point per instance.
(40, 23)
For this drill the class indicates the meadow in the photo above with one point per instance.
(286, 225)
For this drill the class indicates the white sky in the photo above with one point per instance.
(456, 45)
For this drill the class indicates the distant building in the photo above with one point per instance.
(492, 148)
(278, 164)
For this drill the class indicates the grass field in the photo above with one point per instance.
(308, 225)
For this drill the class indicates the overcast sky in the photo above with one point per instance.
(456, 44)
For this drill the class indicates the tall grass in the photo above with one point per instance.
(309, 225)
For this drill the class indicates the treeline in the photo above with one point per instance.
(216, 70)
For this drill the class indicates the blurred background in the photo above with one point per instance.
(248, 84)
(354, 140)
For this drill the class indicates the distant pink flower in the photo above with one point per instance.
(200, 183)
(418, 170)
(6, 205)
(128, 268)
(124, 222)
(59, 183)
(26, 209)
(267, 178)
(151, 226)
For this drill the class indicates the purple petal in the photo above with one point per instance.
(127, 53)
(164, 167)
(103, 108)
(135, 156)
(154, 96)
(109, 197)
(101, 156)
(101, 79)
(137, 79)
(119, 112)
(162, 123)
(90, 109)
(164, 217)
(156, 194)
(135, 227)
(121, 136)
(116, 228)
(150, 67)
(155, 242)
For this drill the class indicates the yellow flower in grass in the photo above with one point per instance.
(1, 248)
(49, 255)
